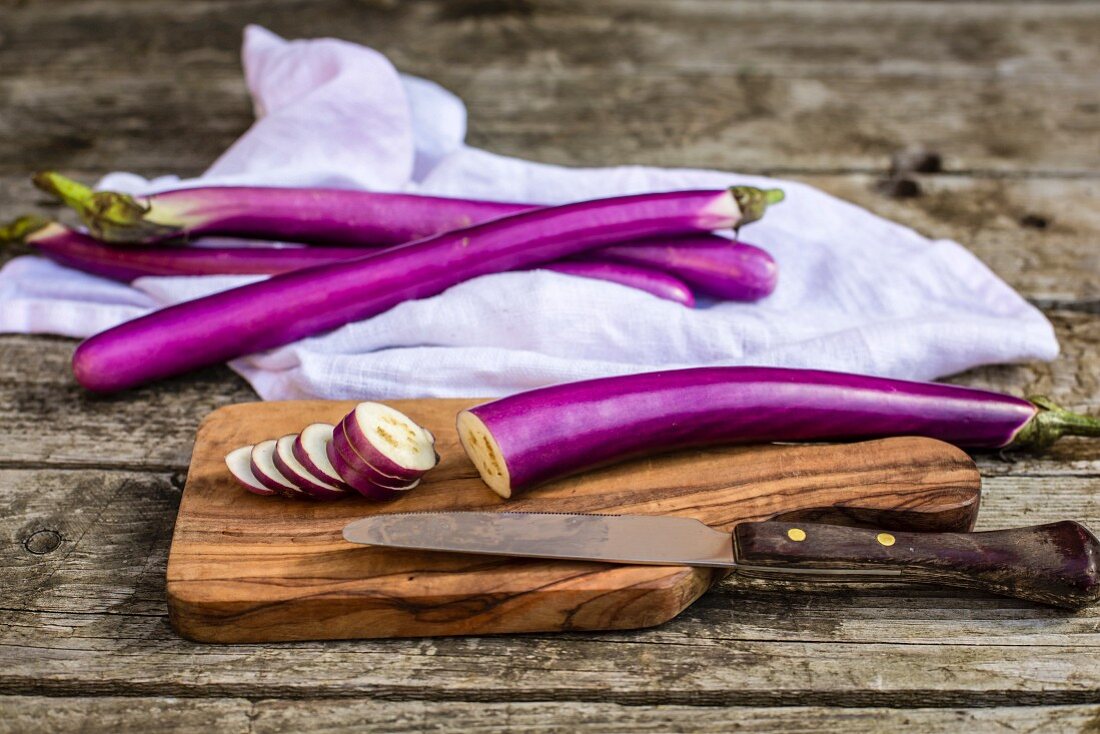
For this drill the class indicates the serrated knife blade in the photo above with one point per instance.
(636, 539)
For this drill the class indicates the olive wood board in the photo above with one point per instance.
(246, 568)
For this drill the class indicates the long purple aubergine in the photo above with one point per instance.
(125, 264)
(296, 305)
(709, 264)
(319, 216)
(85, 253)
(544, 434)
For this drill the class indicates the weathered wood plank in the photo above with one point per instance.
(86, 541)
(87, 619)
(1040, 236)
(123, 715)
(49, 420)
(763, 123)
(94, 654)
(749, 86)
(97, 542)
(1027, 39)
(567, 717)
(116, 714)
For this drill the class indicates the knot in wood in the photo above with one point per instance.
(42, 542)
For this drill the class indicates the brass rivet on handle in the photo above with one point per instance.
(796, 534)
(885, 539)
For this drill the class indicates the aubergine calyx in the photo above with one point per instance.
(1050, 423)
(753, 201)
(17, 231)
(108, 215)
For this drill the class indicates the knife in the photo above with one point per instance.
(1056, 564)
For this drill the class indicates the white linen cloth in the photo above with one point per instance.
(856, 292)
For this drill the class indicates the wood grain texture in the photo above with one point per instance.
(79, 655)
(565, 718)
(245, 568)
(122, 715)
(59, 556)
(1056, 564)
(742, 85)
(49, 421)
(92, 622)
(824, 91)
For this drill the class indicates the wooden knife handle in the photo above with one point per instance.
(1056, 564)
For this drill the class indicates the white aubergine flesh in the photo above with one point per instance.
(300, 476)
(389, 441)
(348, 460)
(311, 449)
(239, 462)
(263, 466)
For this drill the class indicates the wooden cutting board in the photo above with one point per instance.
(245, 568)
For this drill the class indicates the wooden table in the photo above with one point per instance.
(823, 92)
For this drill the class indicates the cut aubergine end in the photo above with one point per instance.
(311, 449)
(263, 466)
(485, 453)
(239, 462)
(289, 466)
(390, 441)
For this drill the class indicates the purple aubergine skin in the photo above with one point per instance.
(552, 432)
(358, 481)
(654, 282)
(262, 490)
(367, 219)
(274, 486)
(723, 268)
(309, 489)
(292, 306)
(709, 264)
(305, 483)
(351, 456)
(126, 264)
(303, 458)
(318, 216)
(259, 492)
(354, 440)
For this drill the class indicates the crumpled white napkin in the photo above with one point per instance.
(857, 293)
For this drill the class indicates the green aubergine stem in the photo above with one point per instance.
(17, 231)
(108, 215)
(1051, 422)
(754, 201)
